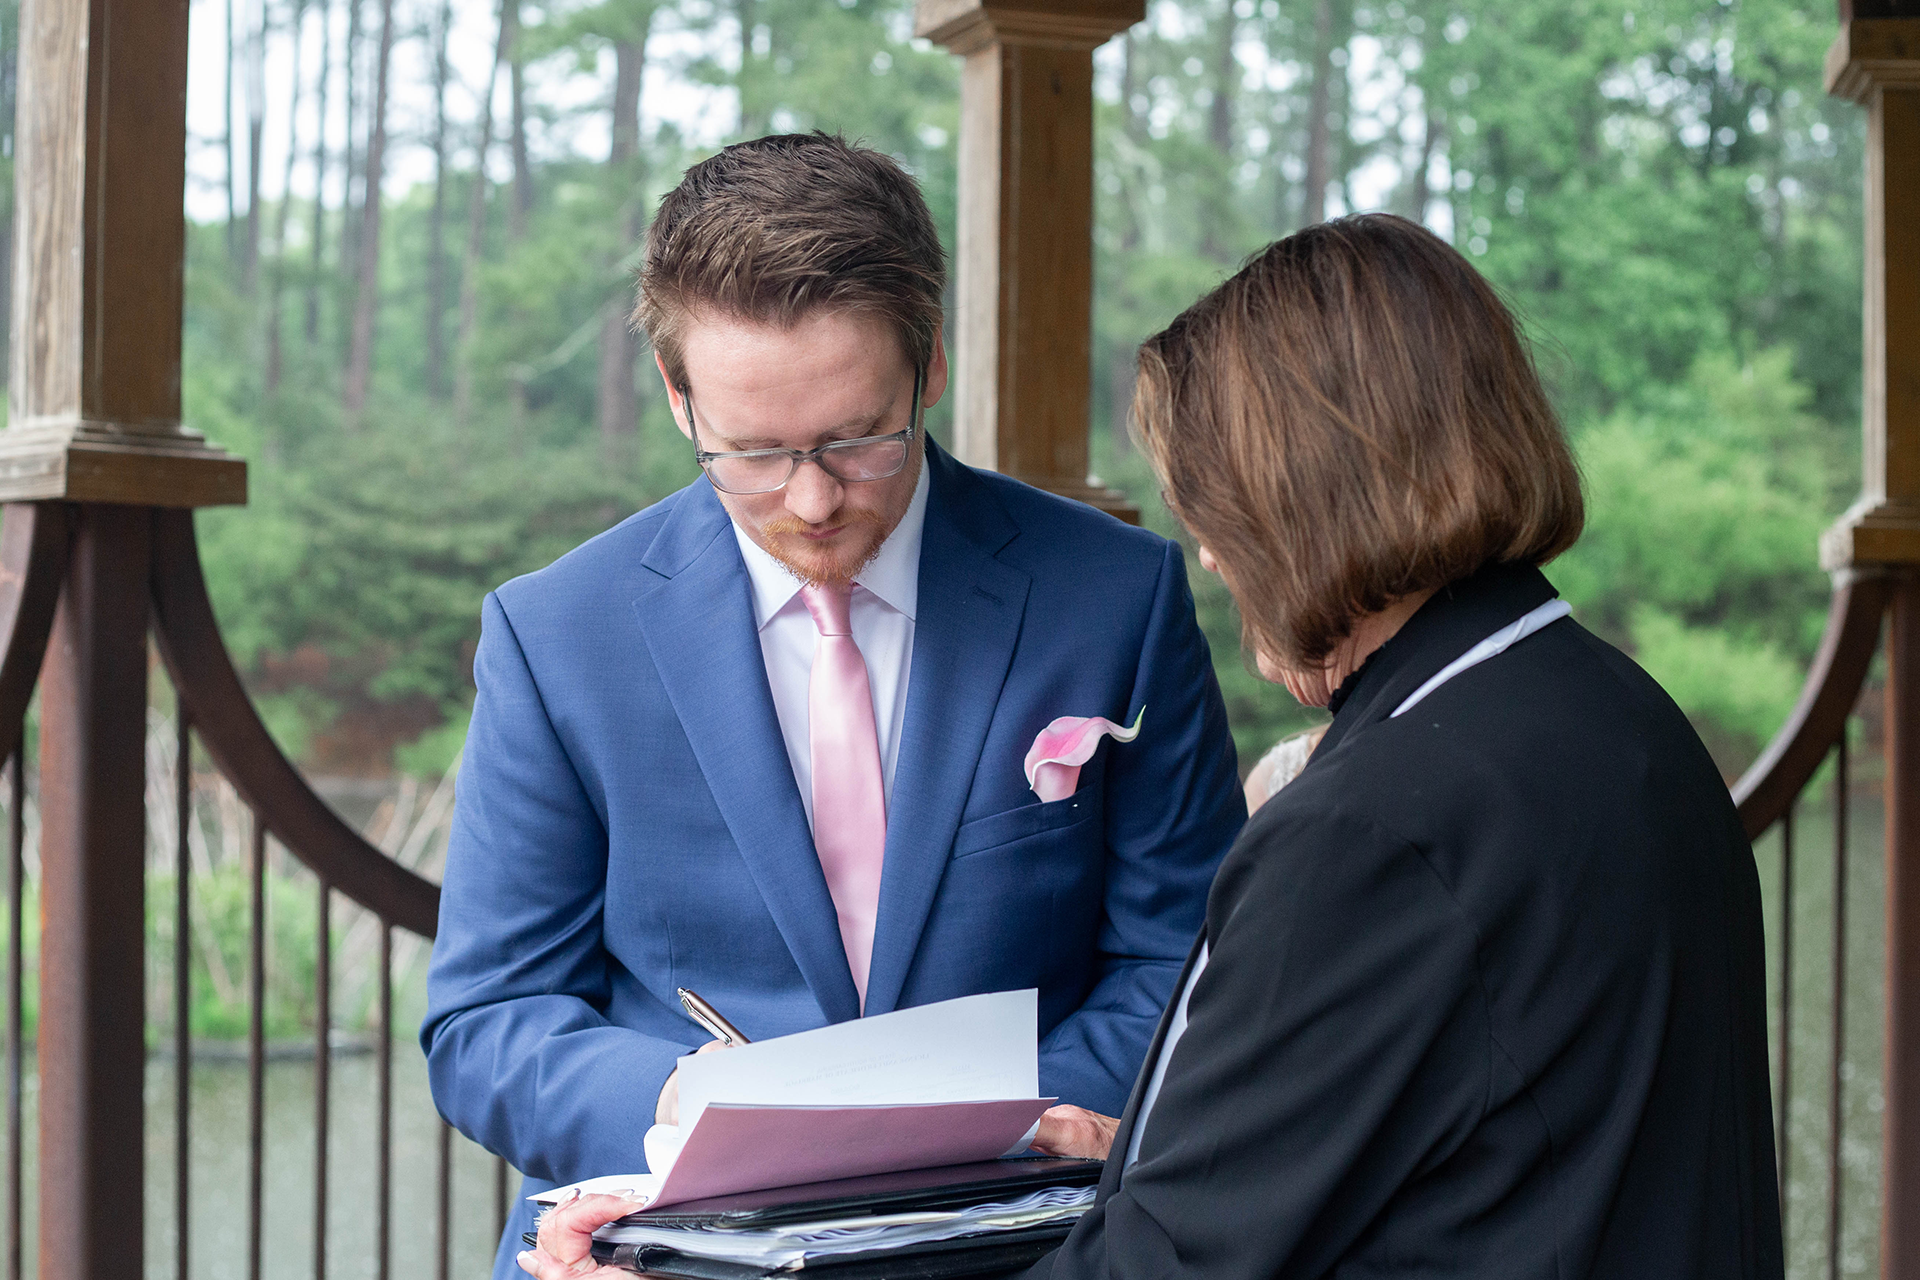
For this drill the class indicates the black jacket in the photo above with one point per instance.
(1486, 995)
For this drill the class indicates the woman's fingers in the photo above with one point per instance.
(1075, 1131)
(565, 1248)
(667, 1109)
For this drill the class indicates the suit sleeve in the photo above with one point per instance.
(520, 1055)
(1174, 805)
(1338, 1044)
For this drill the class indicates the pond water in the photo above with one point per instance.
(218, 1227)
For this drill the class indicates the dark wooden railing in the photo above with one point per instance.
(1769, 797)
(213, 709)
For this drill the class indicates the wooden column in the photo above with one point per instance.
(1876, 62)
(100, 163)
(92, 1040)
(1024, 271)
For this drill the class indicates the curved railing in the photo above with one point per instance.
(232, 734)
(1767, 797)
(1769, 787)
(214, 706)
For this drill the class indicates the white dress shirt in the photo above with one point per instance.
(885, 596)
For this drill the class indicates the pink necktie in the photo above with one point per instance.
(849, 805)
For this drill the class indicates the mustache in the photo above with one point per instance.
(846, 519)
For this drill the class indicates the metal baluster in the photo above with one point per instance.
(322, 1072)
(256, 1045)
(16, 893)
(1782, 1109)
(383, 1162)
(445, 1206)
(1838, 1001)
(182, 994)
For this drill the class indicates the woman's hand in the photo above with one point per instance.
(1075, 1131)
(565, 1248)
(667, 1109)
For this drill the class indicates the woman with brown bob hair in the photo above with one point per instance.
(1481, 992)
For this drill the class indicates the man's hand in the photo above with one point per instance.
(565, 1248)
(667, 1110)
(1075, 1131)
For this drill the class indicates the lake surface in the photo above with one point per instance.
(218, 1228)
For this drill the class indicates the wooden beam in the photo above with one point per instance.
(100, 172)
(1023, 367)
(1876, 62)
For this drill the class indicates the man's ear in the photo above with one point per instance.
(675, 401)
(936, 371)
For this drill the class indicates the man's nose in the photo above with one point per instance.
(812, 494)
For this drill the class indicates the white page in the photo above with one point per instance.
(974, 1049)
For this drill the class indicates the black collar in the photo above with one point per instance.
(1456, 618)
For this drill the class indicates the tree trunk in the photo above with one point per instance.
(1434, 130)
(617, 407)
(233, 192)
(754, 113)
(476, 232)
(277, 287)
(1120, 355)
(256, 133)
(349, 211)
(319, 246)
(366, 300)
(1226, 81)
(9, 93)
(1218, 208)
(522, 208)
(437, 226)
(1313, 194)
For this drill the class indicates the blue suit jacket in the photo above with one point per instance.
(628, 820)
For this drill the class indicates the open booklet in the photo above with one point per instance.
(941, 1084)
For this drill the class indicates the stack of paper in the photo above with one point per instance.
(941, 1084)
(780, 1247)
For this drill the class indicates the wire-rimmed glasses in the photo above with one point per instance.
(746, 471)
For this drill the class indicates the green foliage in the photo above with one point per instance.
(1658, 187)
(1667, 201)
(1703, 511)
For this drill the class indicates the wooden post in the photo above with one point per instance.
(100, 166)
(92, 1041)
(1023, 366)
(1876, 62)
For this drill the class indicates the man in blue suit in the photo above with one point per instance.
(646, 801)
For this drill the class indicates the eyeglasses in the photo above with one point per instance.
(745, 471)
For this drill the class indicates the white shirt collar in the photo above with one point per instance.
(893, 575)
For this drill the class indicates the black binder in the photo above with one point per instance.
(991, 1253)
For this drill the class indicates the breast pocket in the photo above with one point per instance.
(997, 830)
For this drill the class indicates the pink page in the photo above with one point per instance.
(741, 1148)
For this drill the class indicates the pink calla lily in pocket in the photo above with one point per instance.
(1054, 759)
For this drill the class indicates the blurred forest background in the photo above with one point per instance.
(437, 391)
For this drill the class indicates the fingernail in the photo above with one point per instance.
(573, 1193)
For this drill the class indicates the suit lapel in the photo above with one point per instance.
(700, 630)
(968, 620)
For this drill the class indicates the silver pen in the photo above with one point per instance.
(709, 1018)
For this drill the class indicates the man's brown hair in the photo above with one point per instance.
(774, 229)
(1352, 418)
